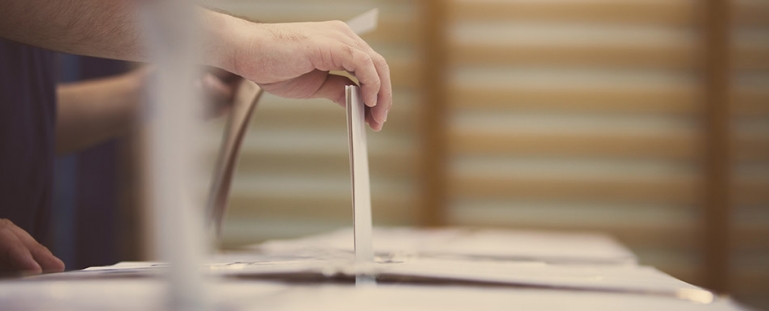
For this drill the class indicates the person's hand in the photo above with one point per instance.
(20, 253)
(293, 60)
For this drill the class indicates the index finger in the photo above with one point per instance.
(14, 255)
(385, 94)
(361, 64)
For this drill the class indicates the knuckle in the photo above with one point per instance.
(42, 248)
(349, 50)
(361, 43)
(339, 24)
(366, 59)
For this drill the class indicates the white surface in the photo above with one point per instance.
(145, 294)
(252, 280)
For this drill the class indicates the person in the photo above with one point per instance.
(37, 119)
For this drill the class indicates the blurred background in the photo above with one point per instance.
(644, 119)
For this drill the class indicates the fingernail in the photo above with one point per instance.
(387, 112)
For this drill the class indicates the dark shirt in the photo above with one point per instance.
(27, 121)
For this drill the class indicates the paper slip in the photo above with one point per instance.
(365, 22)
(521, 245)
(638, 280)
(247, 96)
(361, 190)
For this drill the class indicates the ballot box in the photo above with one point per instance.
(413, 269)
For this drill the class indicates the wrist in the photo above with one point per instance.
(224, 38)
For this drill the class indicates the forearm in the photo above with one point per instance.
(289, 60)
(94, 111)
(108, 29)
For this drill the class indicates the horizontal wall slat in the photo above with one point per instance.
(670, 13)
(750, 102)
(679, 236)
(750, 13)
(752, 237)
(751, 57)
(691, 274)
(321, 116)
(404, 72)
(479, 142)
(647, 190)
(385, 208)
(674, 100)
(564, 56)
(382, 165)
(751, 191)
(392, 28)
(751, 147)
(751, 281)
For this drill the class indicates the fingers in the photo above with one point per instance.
(333, 89)
(385, 94)
(376, 94)
(376, 126)
(379, 94)
(19, 252)
(14, 255)
(356, 56)
(374, 77)
(362, 66)
(47, 261)
(294, 59)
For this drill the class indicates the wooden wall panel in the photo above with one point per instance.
(571, 84)
(669, 99)
(665, 13)
(750, 146)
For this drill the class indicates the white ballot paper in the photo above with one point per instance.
(493, 244)
(617, 279)
(361, 189)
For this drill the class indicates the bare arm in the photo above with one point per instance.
(86, 27)
(289, 60)
(94, 111)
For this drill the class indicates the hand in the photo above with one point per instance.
(293, 60)
(19, 252)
